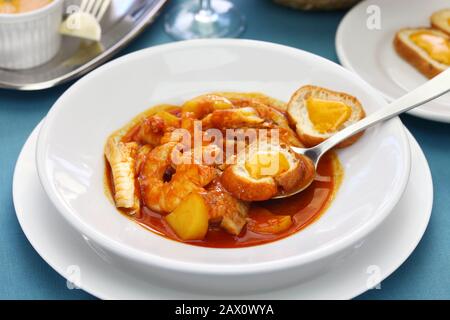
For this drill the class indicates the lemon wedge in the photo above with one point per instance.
(81, 25)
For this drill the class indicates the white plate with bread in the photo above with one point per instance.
(398, 45)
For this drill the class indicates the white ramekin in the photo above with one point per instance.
(30, 39)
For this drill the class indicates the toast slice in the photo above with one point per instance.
(441, 20)
(429, 64)
(329, 103)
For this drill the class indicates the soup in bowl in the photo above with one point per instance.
(71, 165)
(205, 172)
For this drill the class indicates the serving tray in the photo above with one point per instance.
(124, 20)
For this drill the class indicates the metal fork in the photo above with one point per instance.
(96, 8)
(85, 21)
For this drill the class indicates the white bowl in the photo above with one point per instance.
(71, 166)
(31, 38)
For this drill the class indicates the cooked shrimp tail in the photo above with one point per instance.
(165, 185)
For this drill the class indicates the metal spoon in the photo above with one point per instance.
(431, 90)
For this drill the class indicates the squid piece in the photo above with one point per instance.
(121, 157)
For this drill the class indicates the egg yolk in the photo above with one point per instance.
(437, 47)
(327, 115)
(266, 164)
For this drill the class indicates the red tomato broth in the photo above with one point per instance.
(304, 208)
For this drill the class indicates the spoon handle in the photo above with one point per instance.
(430, 90)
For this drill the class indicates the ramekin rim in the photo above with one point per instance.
(29, 14)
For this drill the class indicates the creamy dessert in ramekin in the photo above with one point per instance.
(29, 32)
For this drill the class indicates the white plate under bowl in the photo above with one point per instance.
(70, 255)
(70, 161)
(369, 52)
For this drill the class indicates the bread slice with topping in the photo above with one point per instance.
(441, 20)
(428, 50)
(318, 113)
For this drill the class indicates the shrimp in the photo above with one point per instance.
(205, 104)
(271, 110)
(164, 186)
(153, 128)
(232, 118)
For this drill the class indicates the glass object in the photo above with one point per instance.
(196, 19)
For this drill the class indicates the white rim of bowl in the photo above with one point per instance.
(146, 258)
(29, 14)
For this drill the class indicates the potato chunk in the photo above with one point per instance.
(263, 221)
(190, 218)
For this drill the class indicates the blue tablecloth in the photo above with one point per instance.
(24, 275)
